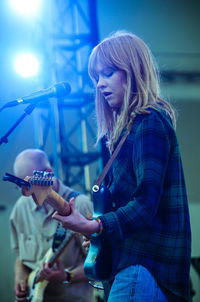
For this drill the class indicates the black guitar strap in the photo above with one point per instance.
(59, 236)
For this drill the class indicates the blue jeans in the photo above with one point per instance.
(136, 284)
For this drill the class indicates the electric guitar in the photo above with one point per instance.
(40, 187)
(36, 284)
(98, 263)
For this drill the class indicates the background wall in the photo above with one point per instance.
(171, 29)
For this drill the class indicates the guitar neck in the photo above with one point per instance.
(56, 255)
(58, 203)
(61, 249)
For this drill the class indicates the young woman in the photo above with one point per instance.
(149, 231)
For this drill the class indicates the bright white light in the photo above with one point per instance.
(26, 7)
(26, 65)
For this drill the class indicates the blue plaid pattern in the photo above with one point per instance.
(151, 224)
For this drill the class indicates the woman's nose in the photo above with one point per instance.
(101, 82)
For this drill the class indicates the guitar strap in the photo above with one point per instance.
(103, 174)
(59, 236)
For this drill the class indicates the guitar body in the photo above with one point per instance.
(98, 263)
(37, 292)
(37, 288)
(36, 285)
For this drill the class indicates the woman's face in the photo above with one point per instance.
(111, 83)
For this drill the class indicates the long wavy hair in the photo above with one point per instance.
(125, 51)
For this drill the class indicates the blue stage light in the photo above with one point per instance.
(26, 65)
(26, 7)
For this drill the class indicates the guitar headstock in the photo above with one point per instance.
(41, 186)
(42, 178)
(16, 180)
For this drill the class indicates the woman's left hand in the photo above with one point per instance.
(76, 221)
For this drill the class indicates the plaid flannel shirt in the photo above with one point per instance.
(150, 225)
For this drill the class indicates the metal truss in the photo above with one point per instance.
(66, 126)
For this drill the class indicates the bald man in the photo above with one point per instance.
(34, 232)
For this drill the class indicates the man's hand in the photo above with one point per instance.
(21, 291)
(54, 274)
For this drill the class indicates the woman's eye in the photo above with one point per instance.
(108, 73)
(104, 73)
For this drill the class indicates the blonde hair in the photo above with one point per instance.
(127, 52)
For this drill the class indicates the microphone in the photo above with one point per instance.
(56, 91)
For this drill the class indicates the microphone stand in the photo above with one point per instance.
(27, 110)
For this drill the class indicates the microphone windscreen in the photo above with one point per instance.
(62, 89)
